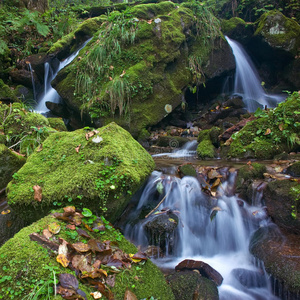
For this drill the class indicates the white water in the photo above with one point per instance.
(49, 93)
(247, 82)
(222, 241)
(188, 150)
(32, 81)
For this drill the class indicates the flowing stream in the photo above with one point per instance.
(247, 82)
(216, 230)
(49, 93)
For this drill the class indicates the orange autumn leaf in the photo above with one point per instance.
(77, 148)
(62, 259)
(37, 193)
(268, 131)
(81, 247)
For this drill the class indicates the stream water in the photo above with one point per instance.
(247, 82)
(216, 230)
(49, 93)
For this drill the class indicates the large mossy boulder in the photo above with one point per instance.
(140, 61)
(28, 266)
(10, 163)
(279, 32)
(100, 169)
(273, 132)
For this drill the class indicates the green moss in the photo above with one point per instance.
(26, 263)
(232, 24)
(206, 149)
(103, 174)
(274, 132)
(9, 164)
(6, 93)
(187, 170)
(57, 123)
(279, 31)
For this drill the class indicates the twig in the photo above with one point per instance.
(18, 141)
(156, 207)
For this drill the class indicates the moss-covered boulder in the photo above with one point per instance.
(191, 285)
(280, 257)
(6, 94)
(10, 163)
(140, 61)
(279, 32)
(294, 169)
(273, 132)
(100, 169)
(57, 123)
(282, 197)
(22, 129)
(208, 142)
(26, 266)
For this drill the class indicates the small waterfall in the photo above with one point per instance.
(33, 83)
(188, 150)
(214, 230)
(247, 82)
(50, 94)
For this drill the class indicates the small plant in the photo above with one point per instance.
(295, 193)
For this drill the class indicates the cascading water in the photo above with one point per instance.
(32, 81)
(49, 93)
(247, 82)
(215, 230)
(188, 150)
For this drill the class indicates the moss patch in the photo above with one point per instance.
(101, 174)
(25, 265)
(206, 149)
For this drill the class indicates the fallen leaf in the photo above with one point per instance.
(81, 247)
(96, 295)
(150, 21)
(213, 174)
(123, 73)
(110, 280)
(129, 295)
(267, 132)
(40, 148)
(82, 233)
(77, 148)
(5, 212)
(71, 226)
(68, 281)
(281, 126)
(54, 228)
(37, 193)
(140, 255)
(47, 234)
(62, 259)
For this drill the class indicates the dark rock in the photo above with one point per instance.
(23, 77)
(235, 102)
(189, 285)
(205, 270)
(294, 169)
(58, 109)
(171, 141)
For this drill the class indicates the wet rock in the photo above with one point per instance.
(294, 169)
(189, 285)
(23, 77)
(205, 270)
(161, 230)
(6, 93)
(250, 278)
(187, 170)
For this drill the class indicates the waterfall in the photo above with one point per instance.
(188, 150)
(32, 81)
(215, 230)
(49, 93)
(247, 82)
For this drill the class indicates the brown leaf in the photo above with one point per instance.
(96, 246)
(281, 126)
(71, 227)
(81, 247)
(78, 148)
(40, 148)
(82, 233)
(129, 295)
(123, 73)
(47, 234)
(77, 220)
(37, 193)
(150, 21)
(140, 255)
(215, 185)
(268, 131)
(68, 281)
(69, 210)
(89, 135)
(65, 293)
(81, 263)
(44, 241)
(213, 174)
(110, 280)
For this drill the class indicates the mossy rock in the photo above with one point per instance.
(282, 199)
(246, 176)
(187, 170)
(211, 134)
(189, 285)
(267, 244)
(148, 70)
(100, 172)
(274, 131)
(206, 150)
(22, 128)
(10, 163)
(279, 31)
(57, 123)
(6, 94)
(294, 169)
(25, 265)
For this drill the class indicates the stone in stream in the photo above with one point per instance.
(205, 269)
(249, 278)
